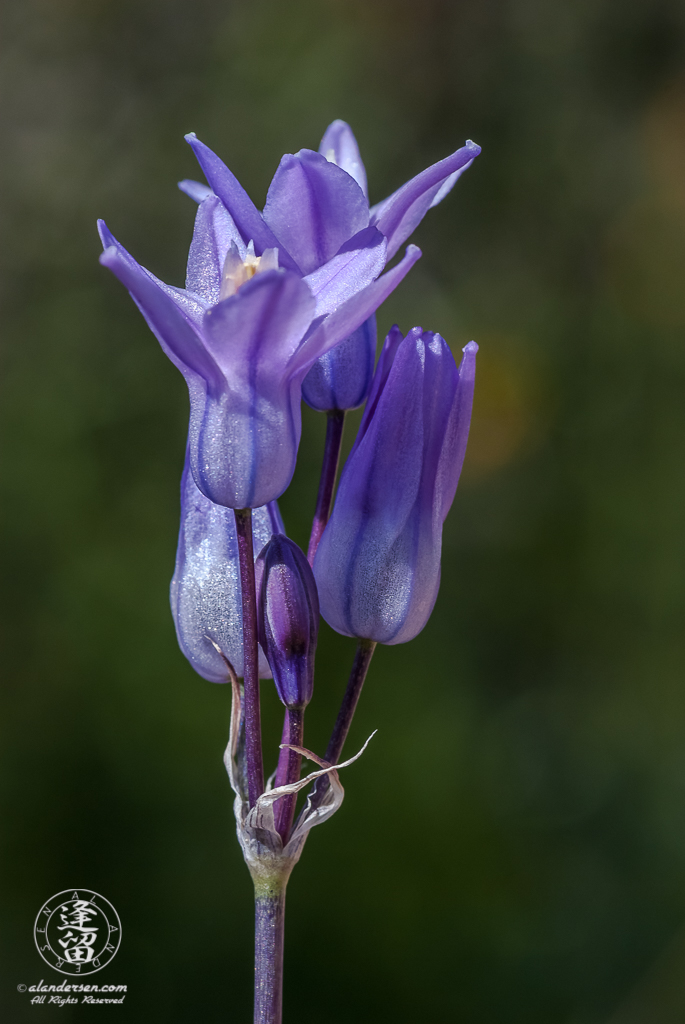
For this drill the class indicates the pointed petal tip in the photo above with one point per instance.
(106, 237)
(467, 367)
(194, 189)
(470, 144)
(195, 144)
(108, 256)
(338, 126)
(104, 233)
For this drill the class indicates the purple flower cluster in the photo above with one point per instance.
(280, 305)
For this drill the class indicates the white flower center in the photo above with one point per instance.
(238, 270)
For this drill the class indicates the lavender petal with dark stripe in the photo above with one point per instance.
(244, 336)
(316, 203)
(205, 590)
(377, 567)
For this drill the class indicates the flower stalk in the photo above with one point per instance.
(268, 950)
(360, 667)
(253, 726)
(335, 424)
(288, 770)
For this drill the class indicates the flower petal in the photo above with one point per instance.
(447, 186)
(377, 567)
(205, 590)
(400, 213)
(340, 147)
(340, 379)
(193, 306)
(173, 329)
(212, 237)
(351, 315)
(380, 377)
(243, 445)
(358, 263)
(456, 434)
(314, 207)
(247, 217)
(254, 332)
(195, 189)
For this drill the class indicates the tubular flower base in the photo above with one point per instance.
(205, 589)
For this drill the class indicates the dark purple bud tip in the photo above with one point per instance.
(288, 616)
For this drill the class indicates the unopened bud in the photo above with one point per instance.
(288, 614)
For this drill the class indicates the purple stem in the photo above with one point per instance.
(268, 951)
(360, 667)
(329, 469)
(288, 771)
(253, 727)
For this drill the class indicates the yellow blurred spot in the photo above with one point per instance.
(506, 409)
(645, 246)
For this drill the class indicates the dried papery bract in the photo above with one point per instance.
(268, 859)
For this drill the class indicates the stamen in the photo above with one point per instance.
(238, 270)
(269, 260)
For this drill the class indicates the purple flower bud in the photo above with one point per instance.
(341, 379)
(205, 589)
(378, 564)
(288, 615)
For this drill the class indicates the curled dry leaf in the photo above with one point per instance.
(262, 846)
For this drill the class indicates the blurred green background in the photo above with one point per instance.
(512, 845)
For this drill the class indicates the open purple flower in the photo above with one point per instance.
(205, 589)
(244, 334)
(316, 204)
(377, 568)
